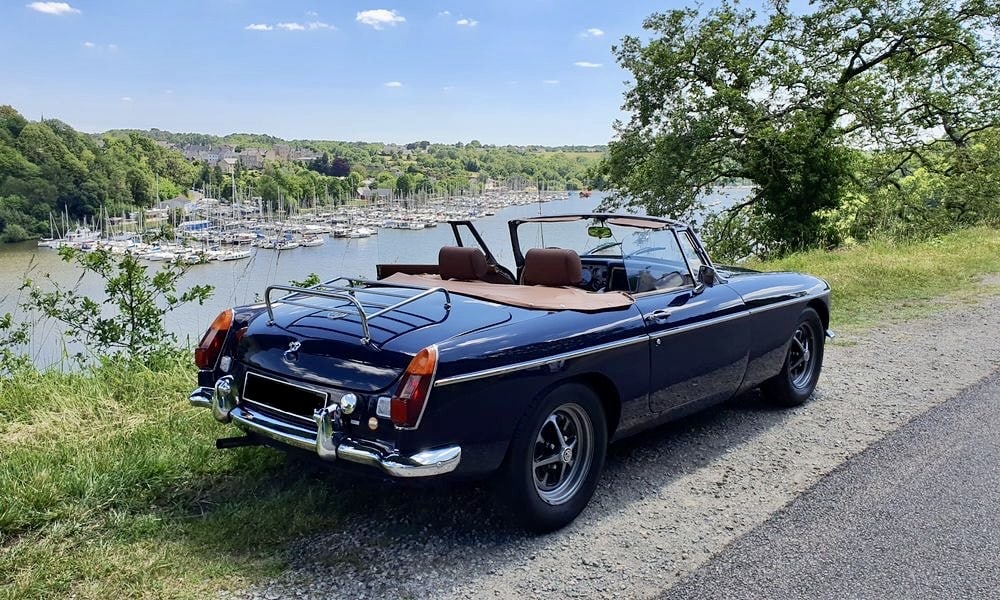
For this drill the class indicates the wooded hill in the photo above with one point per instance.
(47, 167)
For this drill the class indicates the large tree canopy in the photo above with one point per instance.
(793, 102)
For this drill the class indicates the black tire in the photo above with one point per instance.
(803, 362)
(551, 496)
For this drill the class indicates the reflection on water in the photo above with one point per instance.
(240, 282)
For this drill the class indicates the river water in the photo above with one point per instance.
(239, 282)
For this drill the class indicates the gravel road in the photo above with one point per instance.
(916, 515)
(668, 501)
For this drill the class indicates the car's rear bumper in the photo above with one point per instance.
(325, 440)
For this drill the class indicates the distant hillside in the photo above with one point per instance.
(263, 140)
(48, 167)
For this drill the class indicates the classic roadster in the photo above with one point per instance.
(606, 325)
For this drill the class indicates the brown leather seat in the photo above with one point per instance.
(465, 264)
(552, 267)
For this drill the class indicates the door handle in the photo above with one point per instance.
(661, 315)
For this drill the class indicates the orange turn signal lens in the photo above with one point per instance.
(425, 362)
(207, 352)
(408, 403)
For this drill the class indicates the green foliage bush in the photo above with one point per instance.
(128, 321)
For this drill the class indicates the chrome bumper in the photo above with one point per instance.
(327, 441)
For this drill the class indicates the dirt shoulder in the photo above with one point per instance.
(668, 501)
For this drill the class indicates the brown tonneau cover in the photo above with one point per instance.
(525, 296)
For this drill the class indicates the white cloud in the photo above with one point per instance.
(291, 26)
(393, 84)
(592, 32)
(447, 88)
(126, 98)
(587, 65)
(53, 8)
(551, 82)
(168, 92)
(312, 13)
(95, 46)
(380, 18)
(444, 13)
(466, 22)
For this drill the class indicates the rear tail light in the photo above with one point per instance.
(207, 352)
(411, 396)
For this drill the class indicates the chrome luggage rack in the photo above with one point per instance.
(297, 296)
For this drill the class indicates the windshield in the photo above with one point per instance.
(652, 259)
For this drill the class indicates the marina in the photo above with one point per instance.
(213, 231)
(242, 271)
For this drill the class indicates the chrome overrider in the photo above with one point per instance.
(329, 441)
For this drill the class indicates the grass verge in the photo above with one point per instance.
(891, 280)
(110, 485)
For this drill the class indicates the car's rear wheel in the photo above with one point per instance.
(556, 457)
(803, 361)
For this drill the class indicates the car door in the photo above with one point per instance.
(698, 340)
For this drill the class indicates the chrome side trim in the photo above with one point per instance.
(783, 303)
(699, 325)
(496, 371)
(539, 362)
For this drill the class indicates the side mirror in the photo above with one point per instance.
(707, 275)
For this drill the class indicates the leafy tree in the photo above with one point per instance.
(404, 184)
(786, 101)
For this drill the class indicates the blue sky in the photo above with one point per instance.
(503, 72)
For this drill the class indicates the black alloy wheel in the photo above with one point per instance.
(803, 362)
(555, 458)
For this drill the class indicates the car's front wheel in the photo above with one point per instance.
(556, 457)
(803, 361)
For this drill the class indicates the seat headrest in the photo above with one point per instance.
(456, 262)
(551, 266)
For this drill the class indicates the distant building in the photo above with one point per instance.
(228, 165)
(252, 158)
(180, 202)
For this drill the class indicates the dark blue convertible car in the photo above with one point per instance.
(604, 326)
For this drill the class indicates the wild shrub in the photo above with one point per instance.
(129, 321)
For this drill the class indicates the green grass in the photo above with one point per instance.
(886, 280)
(110, 484)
